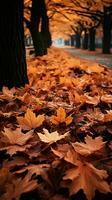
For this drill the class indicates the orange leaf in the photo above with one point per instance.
(61, 117)
(85, 176)
(30, 120)
(90, 146)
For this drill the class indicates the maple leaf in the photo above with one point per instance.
(17, 137)
(18, 187)
(61, 117)
(8, 94)
(35, 169)
(30, 120)
(85, 176)
(51, 137)
(90, 146)
(16, 140)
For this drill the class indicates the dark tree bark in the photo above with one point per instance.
(45, 26)
(85, 40)
(66, 42)
(78, 40)
(34, 27)
(92, 33)
(39, 27)
(13, 70)
(106, 31)
(72, 40)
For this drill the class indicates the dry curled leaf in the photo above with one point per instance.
(30, 121)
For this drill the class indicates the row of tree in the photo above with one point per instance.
(86, 17)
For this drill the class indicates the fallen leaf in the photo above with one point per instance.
(16, 136)
(16, 141)
(108, 116)
(90, 146)
(85, 176)
(39, 169)
(51, 137)
(30, 121)
(107, 98)
(61, 117)
(18, 187)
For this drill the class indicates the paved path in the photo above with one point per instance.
(96, 56)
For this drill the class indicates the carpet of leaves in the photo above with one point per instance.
(56, 132)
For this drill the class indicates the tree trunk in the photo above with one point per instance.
(66, 42)
(45, 26)
(34, 28)
(92, 33)
(78, 40)
(72, 40)
(39, 27)
(85, 40)
(106, 31)
(13, 70)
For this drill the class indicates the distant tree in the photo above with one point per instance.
(99, 11)
(38, 24)
(13, 71)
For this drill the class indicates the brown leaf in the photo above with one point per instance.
(85, 176)
(18, 187)
(16, 140)
(90, 146)
(39, 169)
(16, 137)
(108, 116)
(107, 98)
(92, 100)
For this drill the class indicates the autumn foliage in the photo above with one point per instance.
(55, 133)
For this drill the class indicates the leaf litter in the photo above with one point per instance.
(56, 132)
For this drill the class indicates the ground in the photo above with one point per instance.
(56, 132)
(95, 56)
